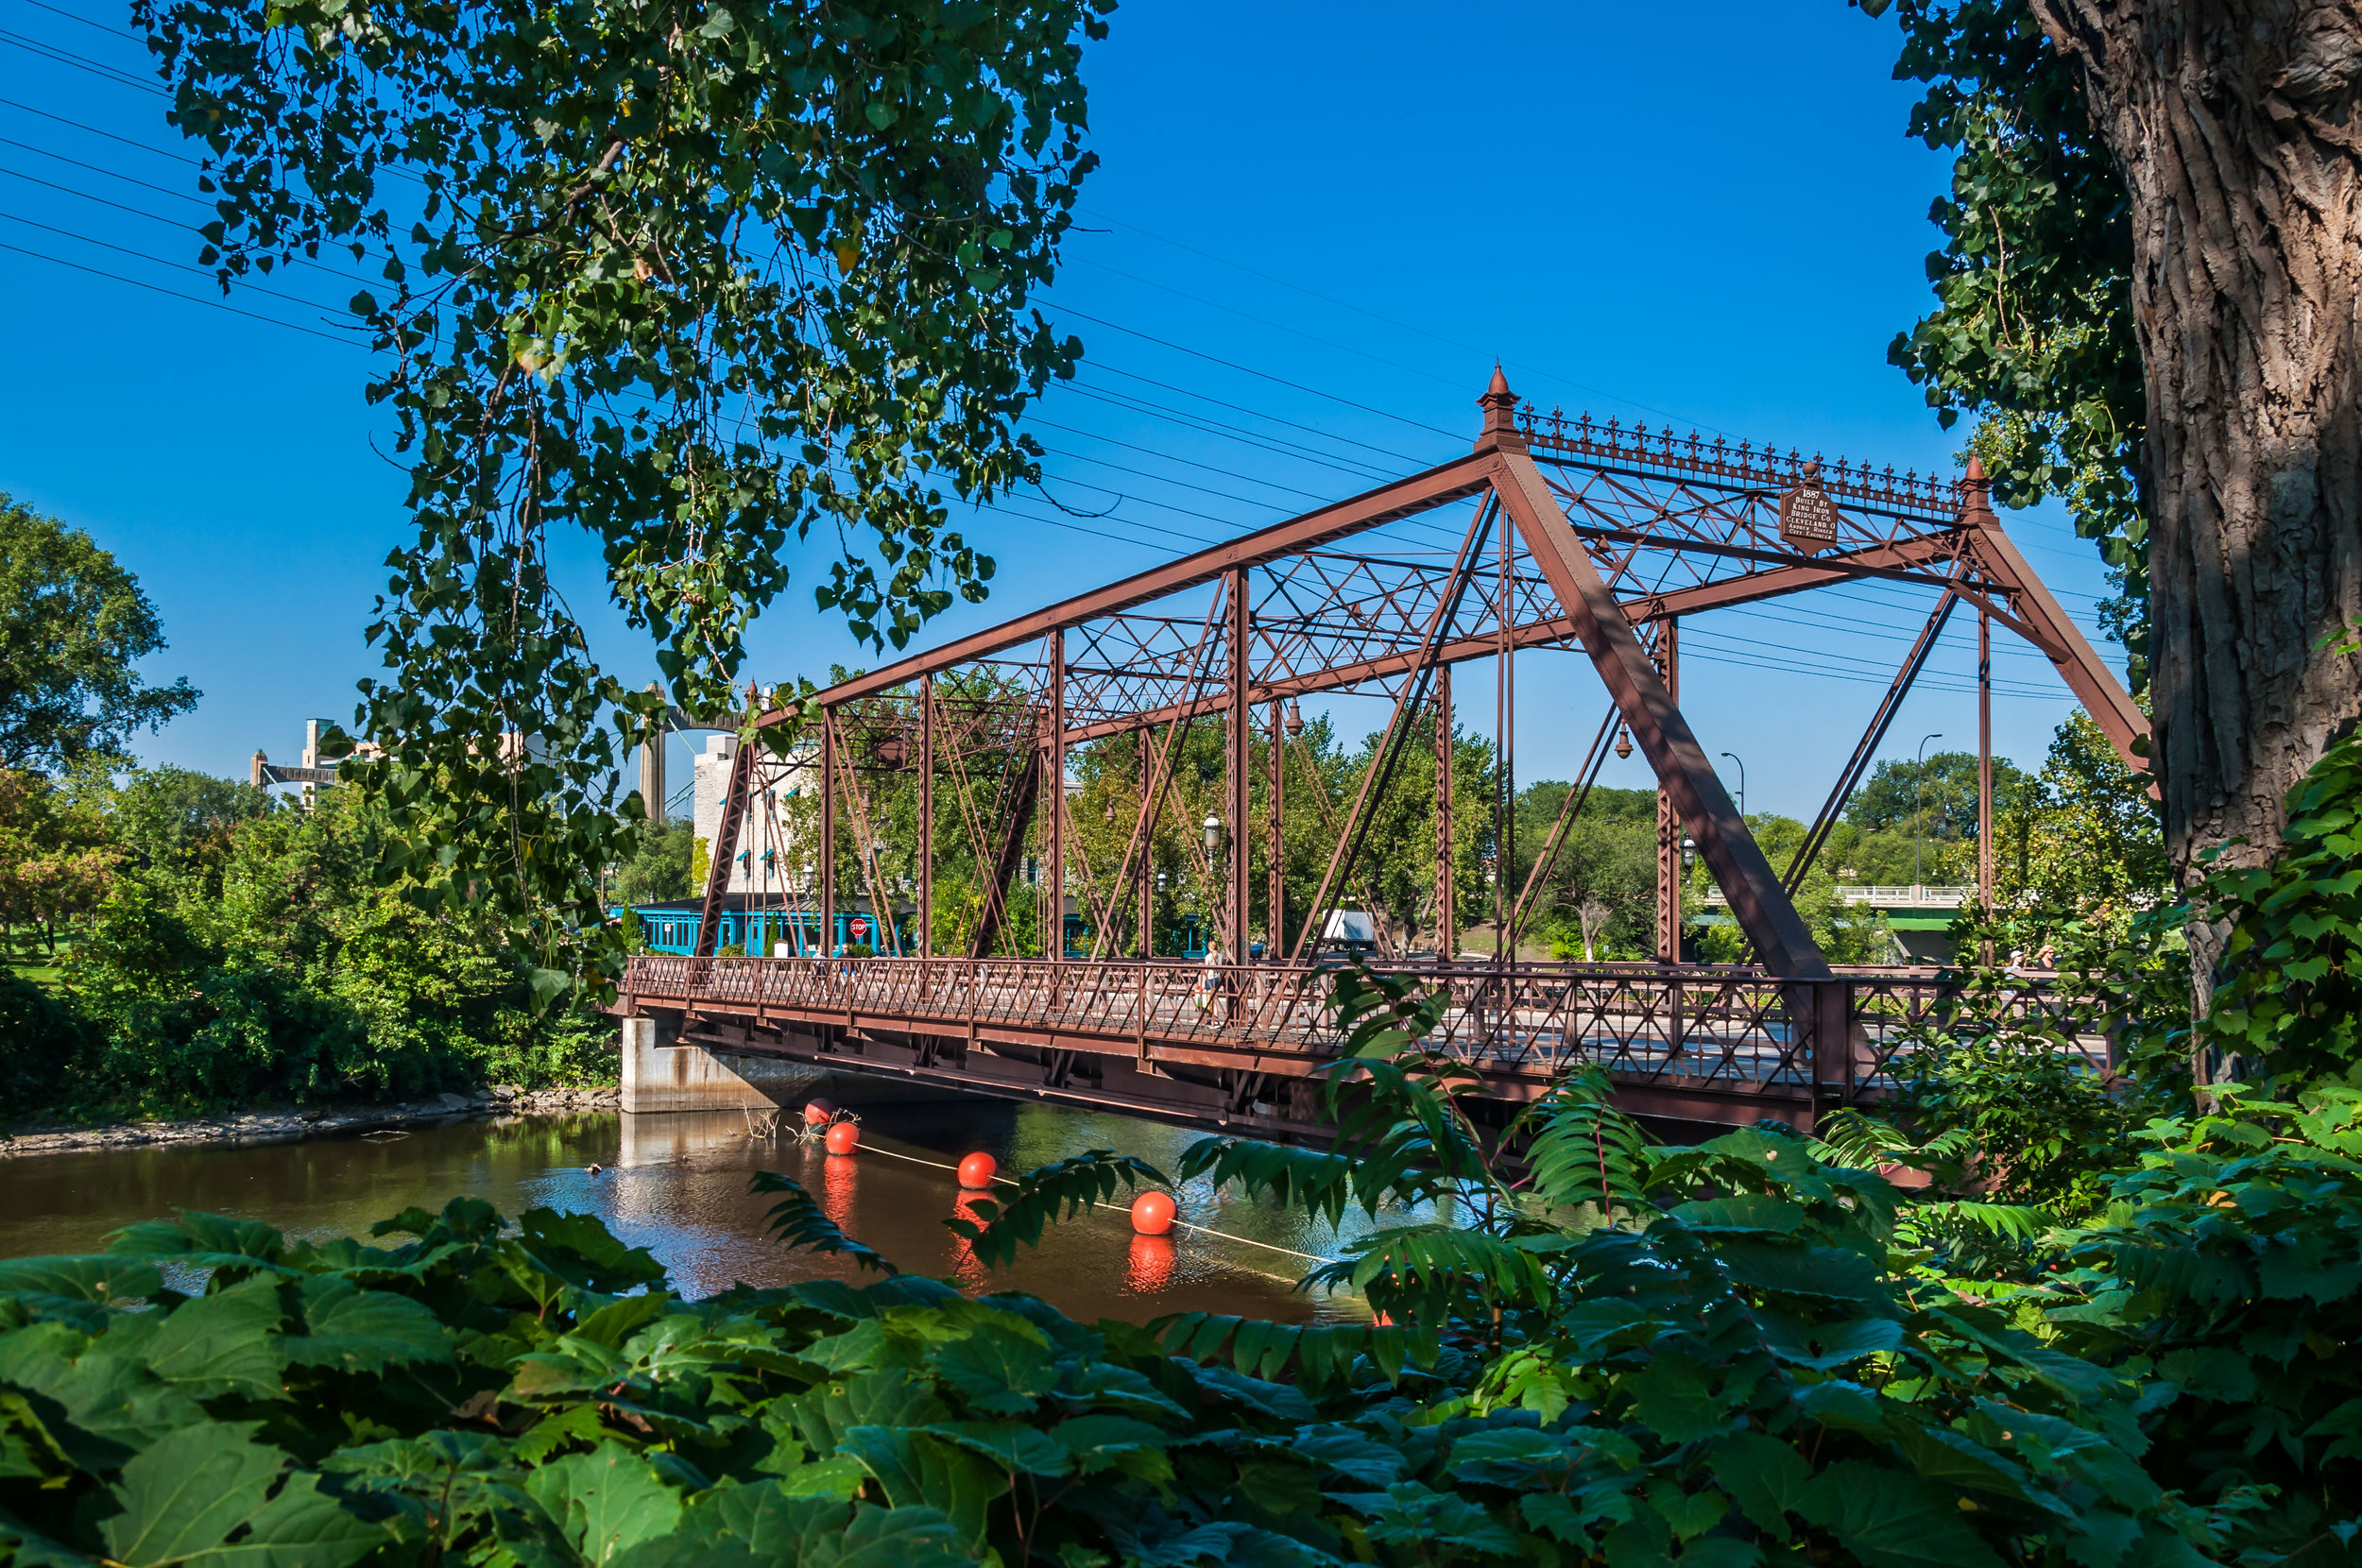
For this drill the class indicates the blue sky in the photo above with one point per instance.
(1703, 215)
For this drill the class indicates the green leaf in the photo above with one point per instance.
(1672, 1395)
(1009, 1444)
(364, 1331)
(184, 1496)
(1766, 1477)
(1001, 1368)
(1824, 1346)
(187, 1492)
(224, 1343)
(580, 1250)
(1272, 1399)
(915, 1469)
(105, 1281)
(201, 1242)
(605, 1501)
(905, 1536)
(1890, 1519)
(1516, 1457)
(1351, 1453)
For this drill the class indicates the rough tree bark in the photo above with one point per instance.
(2237, 127)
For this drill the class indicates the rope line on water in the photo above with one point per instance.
(1178, 1224)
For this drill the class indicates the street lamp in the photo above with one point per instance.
(1623, 743)
(1742, 783)
(1919, 792)
(1213, 834)
(1296, 720)
(1689, 854)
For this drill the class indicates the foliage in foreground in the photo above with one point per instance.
(1606, 1352)
(1628, 1355)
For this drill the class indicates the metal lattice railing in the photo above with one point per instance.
(1714, 1027)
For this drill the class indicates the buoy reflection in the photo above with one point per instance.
(1152, 1265)
(837, 1178)
(965, 1268)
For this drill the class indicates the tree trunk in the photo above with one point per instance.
(2237, 127)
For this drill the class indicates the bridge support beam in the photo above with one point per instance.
(662, 1074)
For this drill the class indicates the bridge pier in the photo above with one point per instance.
(662, 1074)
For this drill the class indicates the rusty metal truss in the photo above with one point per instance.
(1551, 533)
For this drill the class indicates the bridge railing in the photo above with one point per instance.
(1713, 1027)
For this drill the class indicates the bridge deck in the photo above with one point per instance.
(1718, 1043)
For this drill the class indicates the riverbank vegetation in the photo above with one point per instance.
(224, 948)
(2136, 1347)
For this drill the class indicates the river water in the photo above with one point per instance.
(676, 1184)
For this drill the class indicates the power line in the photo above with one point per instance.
(111, 136)
(69, 16)
(111, 173)
(1391, 321)
(80, 63)
(1250, 371)
(194, 300)
(142, 255)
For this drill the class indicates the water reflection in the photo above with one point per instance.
(678, 1185)
(1153, 1260)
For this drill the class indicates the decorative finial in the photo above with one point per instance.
(1500, 432)
(1977, 495)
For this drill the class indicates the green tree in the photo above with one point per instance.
(56, 859)
(73, 625)
(657, 870)
(2085, 839)
(2148, 299)
(1941, 793)
(699, 283)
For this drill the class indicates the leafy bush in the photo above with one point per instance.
(42, 1045)
(2288, 998)
(246, 955)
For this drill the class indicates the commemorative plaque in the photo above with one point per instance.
(1807, 516)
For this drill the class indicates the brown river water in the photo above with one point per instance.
(676, 1184)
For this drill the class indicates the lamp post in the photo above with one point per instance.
(1919, 793)
(1742, 784)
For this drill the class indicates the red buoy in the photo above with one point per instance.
(817, 1111)
(1152, 1212)
(976, 1171)
(842, 1138)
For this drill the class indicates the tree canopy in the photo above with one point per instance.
(73, 625)
(696, 283)
(2033, 329)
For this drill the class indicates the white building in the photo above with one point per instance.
(772, 859)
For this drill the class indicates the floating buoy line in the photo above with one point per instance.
(1163, 1204)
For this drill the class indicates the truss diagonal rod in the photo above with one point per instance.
(1328, 815)
(1569, 809)
(1153, 796)
(863, 845)
(1818, 834)
(1413, 698)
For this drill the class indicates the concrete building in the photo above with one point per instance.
(774, 861)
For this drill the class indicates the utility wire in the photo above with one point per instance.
(194, 300)
(142, 255)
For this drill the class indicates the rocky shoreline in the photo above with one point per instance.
(318, 1122)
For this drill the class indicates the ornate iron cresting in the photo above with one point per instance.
(1589, 537)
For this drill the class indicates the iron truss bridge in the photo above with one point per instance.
(1588, 538)
(1695, 1043)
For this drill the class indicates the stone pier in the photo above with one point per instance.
(662, 1074)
